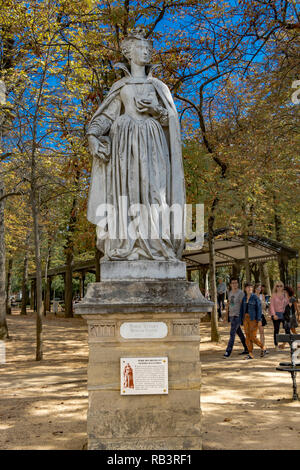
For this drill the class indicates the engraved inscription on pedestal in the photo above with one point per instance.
(143, 330)
(185, 328)
(102, 330)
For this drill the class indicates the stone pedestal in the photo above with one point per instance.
(142, 270)
(171, 421)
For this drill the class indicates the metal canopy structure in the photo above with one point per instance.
(230, 250)
(77, 267)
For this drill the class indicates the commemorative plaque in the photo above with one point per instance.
(143, 330)
(144, 375)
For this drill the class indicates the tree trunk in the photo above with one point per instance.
(98, 256)
(39, 286)
(80, 286)
(47, 283)
(35, 205)
(83, 284)
(206, 282)
(24, 284)
(260, 267)
(296, 279)
(256, 273)
(202, 279)
(247, 265)
(69, 285)
(32, 295)
(215, 335)
(8, 286)
(69, 250)
(236, 270)
(3, 323)
(282, 261)
(283, 268)
(47, 299)
(265, 278)
(277, 221)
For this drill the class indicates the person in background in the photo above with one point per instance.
(291, 312)
(260, 295)
(250, 317)
(235, 297)
(277, 307)
(264, 290)
(267, 297)
(221, 291)
(55, 307)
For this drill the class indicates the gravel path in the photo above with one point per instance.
(245, 404)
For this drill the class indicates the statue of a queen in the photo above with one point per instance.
(134, 138)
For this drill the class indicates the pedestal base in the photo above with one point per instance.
(142, 270)
(170, 421)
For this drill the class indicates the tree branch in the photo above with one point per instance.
(16, 193)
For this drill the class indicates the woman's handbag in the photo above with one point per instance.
(263, 320)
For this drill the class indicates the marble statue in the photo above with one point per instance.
(134, 138)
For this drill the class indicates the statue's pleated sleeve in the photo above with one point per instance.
(101, 123)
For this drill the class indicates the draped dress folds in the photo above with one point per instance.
(138, 181)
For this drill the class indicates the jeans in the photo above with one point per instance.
(235, 328)
(221, 304)
(276, 324)
(287, 328)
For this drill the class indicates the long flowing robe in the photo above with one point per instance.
(145, 165)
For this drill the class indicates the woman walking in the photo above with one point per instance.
(260, 295)
(277, 307)
(250, 317)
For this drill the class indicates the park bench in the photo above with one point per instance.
(294, 365)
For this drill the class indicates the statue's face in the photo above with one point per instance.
(141, 53)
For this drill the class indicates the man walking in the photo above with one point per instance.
(221, 291)
(235, 298)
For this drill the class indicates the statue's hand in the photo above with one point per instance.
(99, 148)
(93, 145)
(102, 157)
(154, 109)
(146, 106)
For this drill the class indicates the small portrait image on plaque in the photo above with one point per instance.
(128, 376)
(144, 375)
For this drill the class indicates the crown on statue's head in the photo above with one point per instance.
(136, 33)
